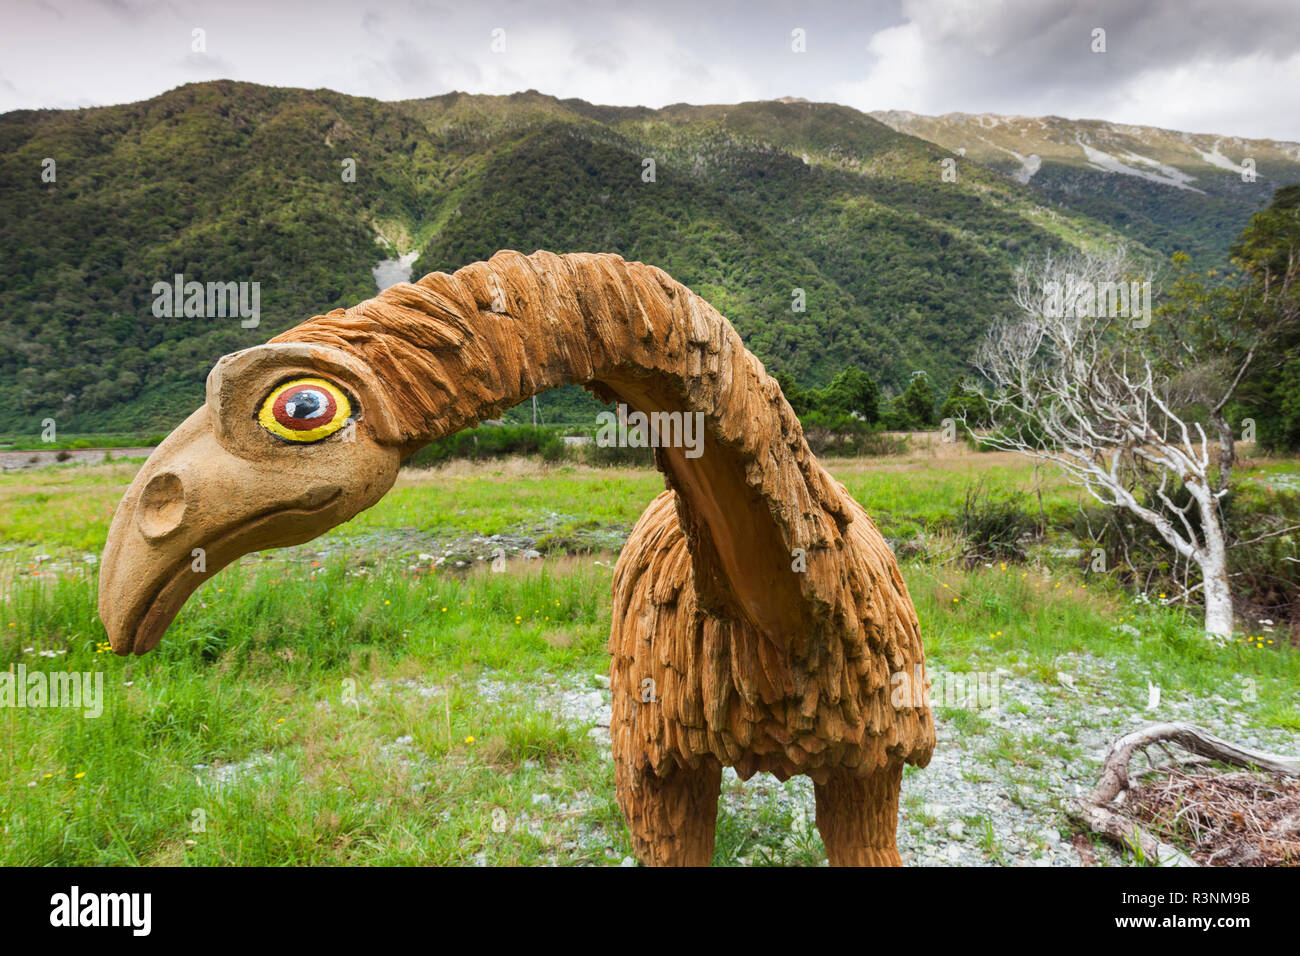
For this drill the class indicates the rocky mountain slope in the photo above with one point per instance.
(1163, 188)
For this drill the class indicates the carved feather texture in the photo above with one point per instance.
(749, 662)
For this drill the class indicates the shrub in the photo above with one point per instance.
(606, 456)
(487, 442)
(993, 527)
(966, 403)
(848, 438)
(918, 400)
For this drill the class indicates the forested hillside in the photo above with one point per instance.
(900, 270)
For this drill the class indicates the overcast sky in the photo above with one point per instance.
(1196, 65)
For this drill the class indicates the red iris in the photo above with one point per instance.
(304, 408)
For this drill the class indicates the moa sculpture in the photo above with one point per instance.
(759, 618)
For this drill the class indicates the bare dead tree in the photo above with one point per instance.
(1079, 380)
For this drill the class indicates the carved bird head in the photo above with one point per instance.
(292, 440)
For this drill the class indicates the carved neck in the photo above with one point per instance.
(456, 349)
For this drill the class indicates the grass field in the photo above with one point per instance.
(353, 701)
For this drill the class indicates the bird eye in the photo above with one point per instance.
(305, 410)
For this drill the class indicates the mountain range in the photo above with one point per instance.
(828, 236)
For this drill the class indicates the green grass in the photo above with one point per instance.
(70, 506)
(496, 503)
(1029, 619)
(273, 661)
(311, 677)
(929, 493)
(75, 440)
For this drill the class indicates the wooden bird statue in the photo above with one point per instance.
(759, 618)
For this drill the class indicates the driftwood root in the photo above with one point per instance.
(1097, 811)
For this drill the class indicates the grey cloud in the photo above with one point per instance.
(599, 54)
(49, 8)
(1002, 48)
(207, 65)
(1010, 56)
(137, 11)
(409, 63)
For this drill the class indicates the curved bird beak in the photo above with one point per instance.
(215, 490)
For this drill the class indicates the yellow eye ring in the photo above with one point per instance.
(305, 410)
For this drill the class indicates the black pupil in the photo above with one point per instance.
(303, 405)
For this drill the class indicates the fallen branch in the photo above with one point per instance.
(1095, 811)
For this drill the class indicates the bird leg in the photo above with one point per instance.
(672, 818)
(858, 817)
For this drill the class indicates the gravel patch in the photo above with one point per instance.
(236, 774)
(995, 790)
